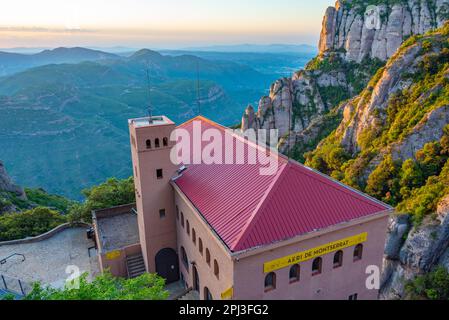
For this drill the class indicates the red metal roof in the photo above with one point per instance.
(247, 209)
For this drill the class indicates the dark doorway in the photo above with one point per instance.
(196, 280)
(167, 265)
(207, 294)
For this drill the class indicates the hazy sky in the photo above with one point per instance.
(158, 24)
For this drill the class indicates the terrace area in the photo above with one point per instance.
(116, 228)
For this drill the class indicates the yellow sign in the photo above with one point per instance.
(227, 295)
(113, 255)
(315, 252)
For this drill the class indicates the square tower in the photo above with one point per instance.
(153, 169)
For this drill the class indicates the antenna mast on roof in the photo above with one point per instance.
(289, 133)
(198, 87)
(150, 108)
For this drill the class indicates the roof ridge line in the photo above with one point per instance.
(268, 192)
(202, 118)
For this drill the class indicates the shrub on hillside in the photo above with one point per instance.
(432, 286)
(29, 223)
(105, 287)
(113, 192)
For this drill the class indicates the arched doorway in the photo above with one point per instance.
(167, 265)
(207, 294)
(196, 280)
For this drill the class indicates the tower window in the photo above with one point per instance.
(216, 269)
(294, 273)
(162, 213)
(159, 174)
(358, 252)
(157, 144)
(148, 142)
(317, 266)
(270, 281)
(188, 227)
(165, 142)
(338, 259)
(208, 257)
(193, 235)
(182, 219)
(200, 245)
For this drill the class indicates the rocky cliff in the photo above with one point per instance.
(425, 247)
(393, 143)
(8, 190)
(351, 51)
(377, 31)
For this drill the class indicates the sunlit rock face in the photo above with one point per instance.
(356, 34)
(363, 31)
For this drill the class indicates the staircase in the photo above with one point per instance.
(135, 266)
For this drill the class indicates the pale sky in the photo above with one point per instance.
(159, 24)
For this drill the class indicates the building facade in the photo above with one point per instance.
(229, 232)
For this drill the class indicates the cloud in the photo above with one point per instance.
(24, 29)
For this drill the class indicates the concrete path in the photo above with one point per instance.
(47, 261)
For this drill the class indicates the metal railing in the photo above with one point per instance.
(3, 261)
(14, 285)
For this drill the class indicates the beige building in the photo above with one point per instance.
(229, 232)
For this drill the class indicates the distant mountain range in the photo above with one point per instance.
(63, 120)
(271, 48)
(15, 62)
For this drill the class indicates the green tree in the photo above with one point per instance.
(383, 182)
(411, 177)
(432, 286)
(423, 200)
(29, 223)
(430, 159)
(105, 287)
(113, 192)
(41, 198)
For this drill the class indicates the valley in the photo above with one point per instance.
(63, 126)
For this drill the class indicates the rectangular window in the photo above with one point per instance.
(159, 174)
(162, 213)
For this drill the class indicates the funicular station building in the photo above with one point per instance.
(229, 232)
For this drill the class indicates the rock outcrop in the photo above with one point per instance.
(426, 247)
(355, 39)
(7, 190)
(6, 183)
(366, 114)
(378, 31)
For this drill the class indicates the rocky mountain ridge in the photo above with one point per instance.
(374, 108)
(350, 54)
(392, 143)
(371, 29)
